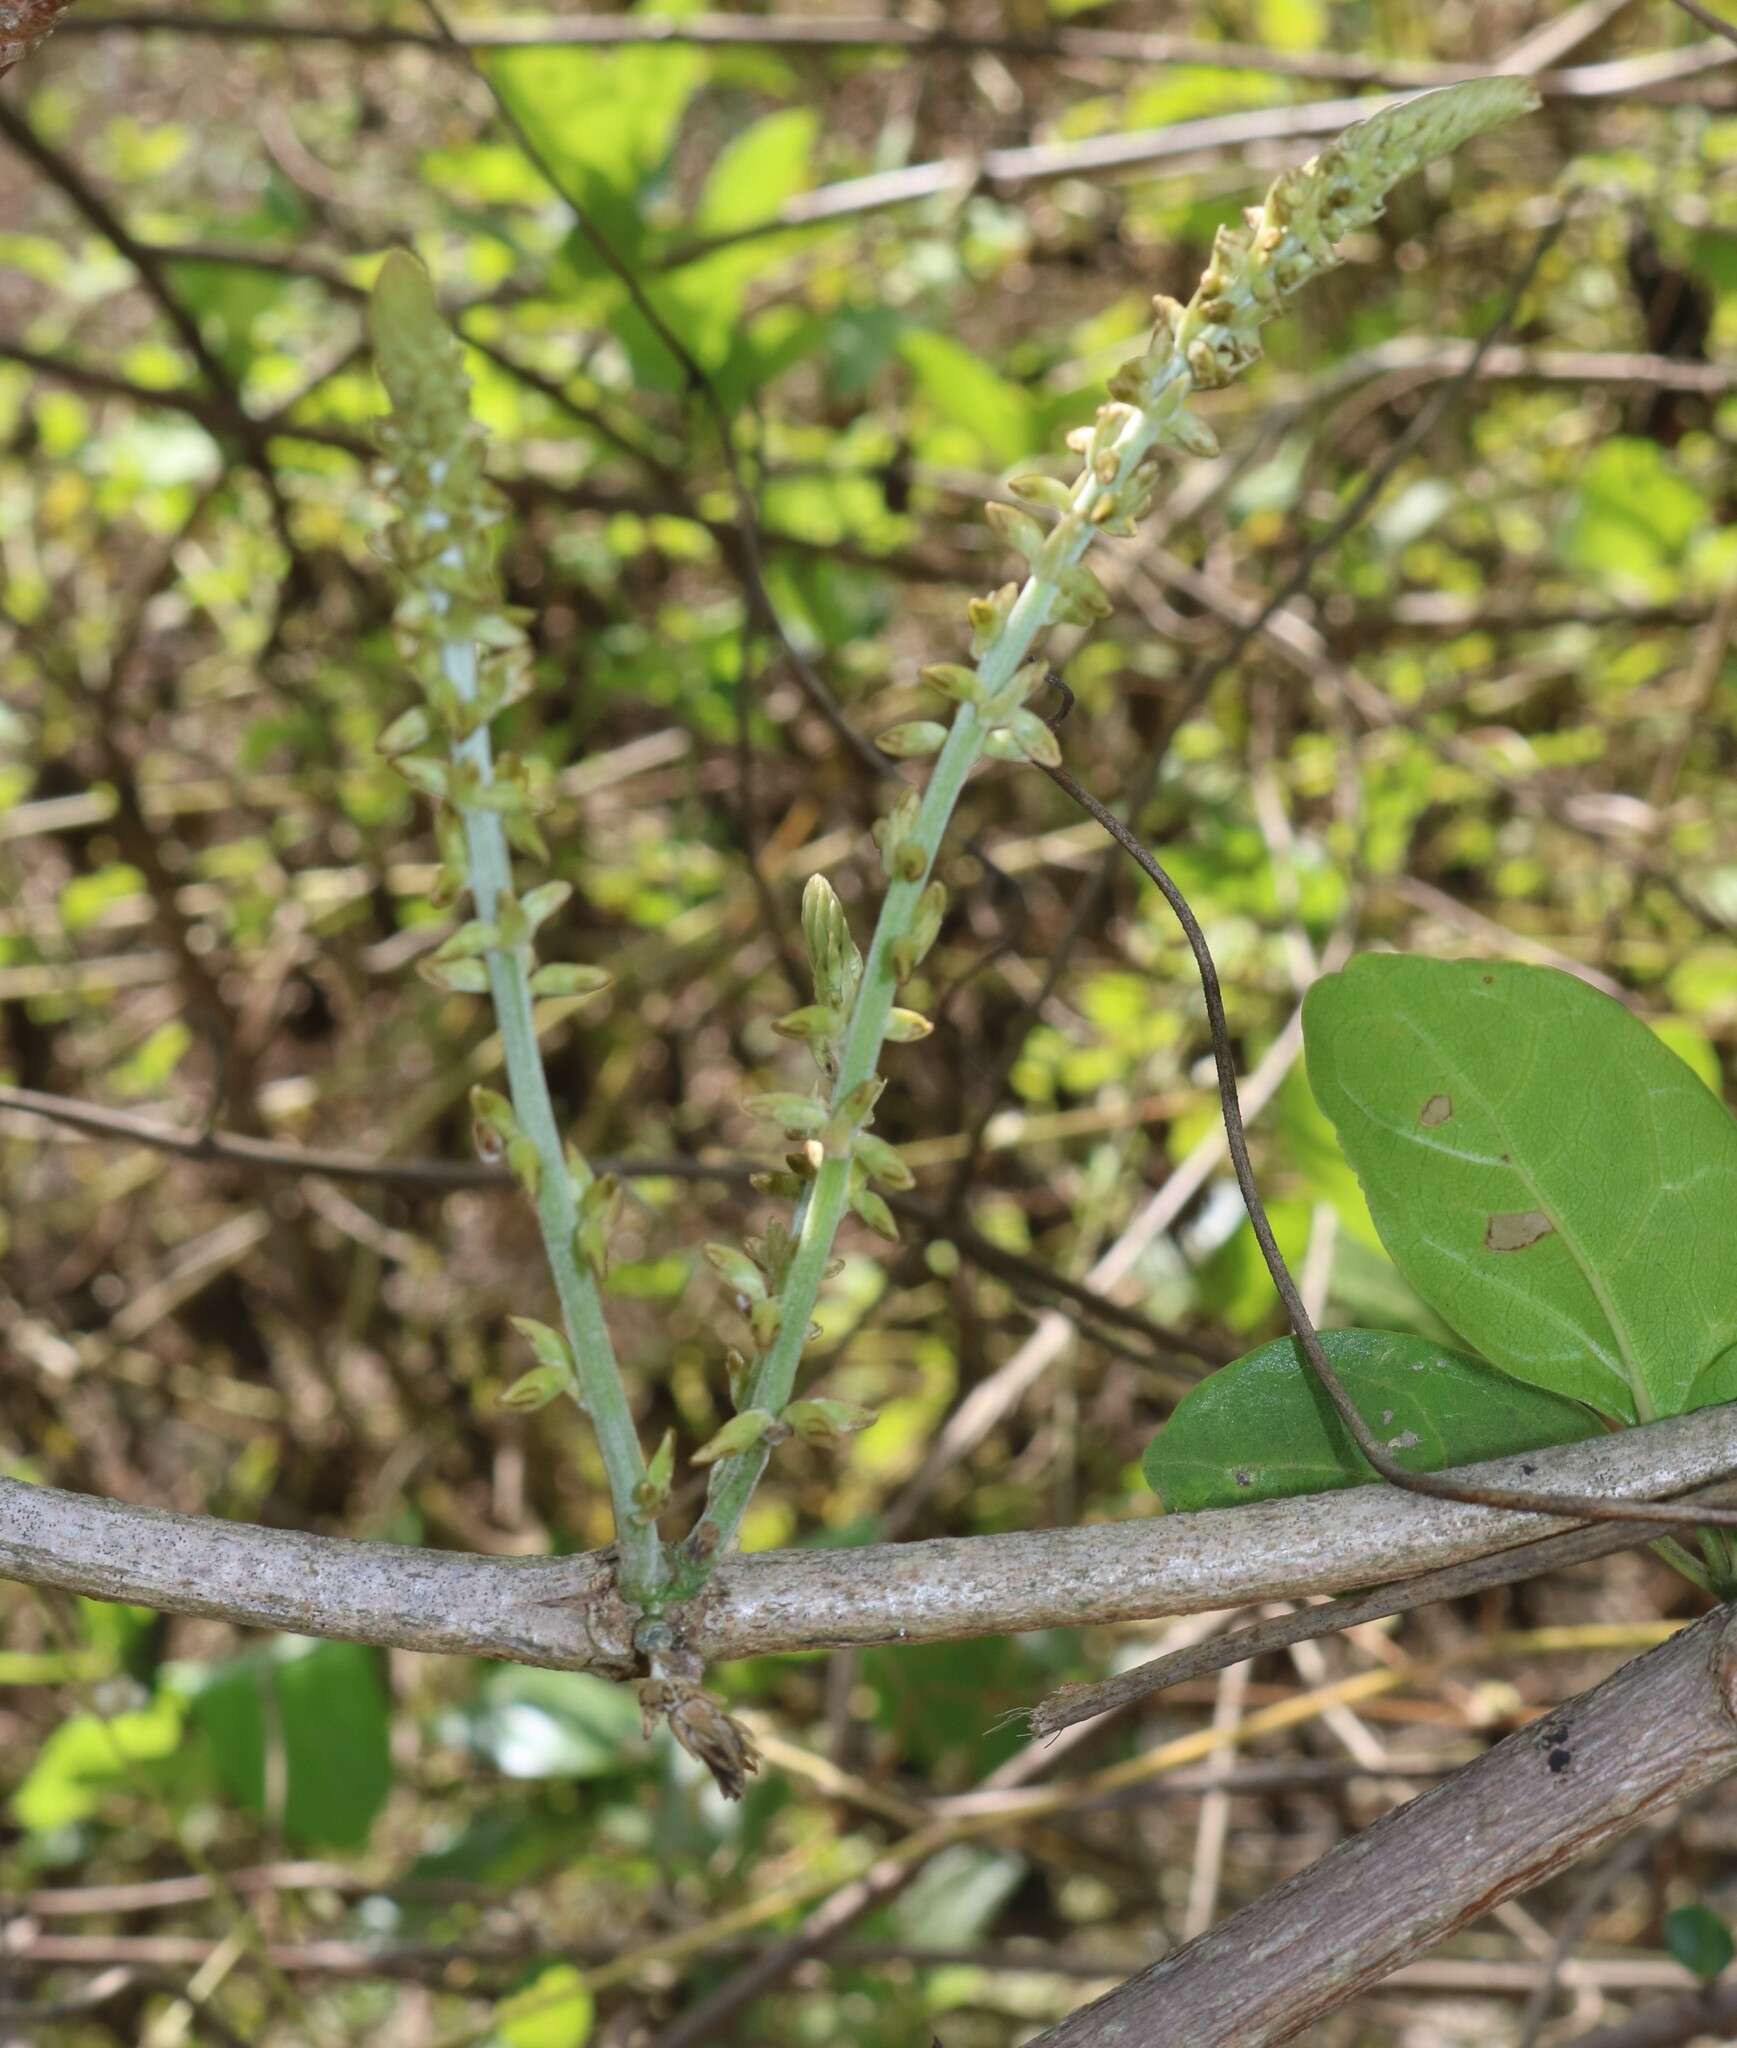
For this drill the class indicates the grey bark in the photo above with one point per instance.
(563, 1611)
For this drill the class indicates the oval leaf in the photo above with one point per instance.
(1699, 1940)
(1549, 1176)
(1262, 1429)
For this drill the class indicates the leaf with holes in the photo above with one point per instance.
(1262, 1429)
(1549, 1176)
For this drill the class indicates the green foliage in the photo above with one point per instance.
(299, 1733)
(553, 2009)
(1635, 516)
(1263, 1429)
(90, 1756)
(1508, 645)
(1699, 1940)
(1555, 1182)
(1552, 1179)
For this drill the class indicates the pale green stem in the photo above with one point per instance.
(827, 1199)
(601, 1393)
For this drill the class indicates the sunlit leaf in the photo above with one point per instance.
(1634, 515)
(554, 2010)
(960, 389)
(90, 1755)
(757, 171)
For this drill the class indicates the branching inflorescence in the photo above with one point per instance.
(469, 657)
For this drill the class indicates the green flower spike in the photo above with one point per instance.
(467, 652)
(1254, 271)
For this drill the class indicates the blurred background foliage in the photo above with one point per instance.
(1493, 714)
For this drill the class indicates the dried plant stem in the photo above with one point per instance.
(1659, 1730)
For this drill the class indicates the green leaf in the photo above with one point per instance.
(1549, 1176)
(604, 123)
(1715, 1383)
(537, 1388)
(311, 1718)
(955, 1900)
(1263, 1429)
(89, 1756)
(86, 898)
(758, 170)
(549, 1346)
(1699, 1940)
(152, 1065)
(554, 2010)
(741, 1433)
(995, 416)
(1634, 518)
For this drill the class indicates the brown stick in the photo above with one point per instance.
(1663, 1727)
(24, 24)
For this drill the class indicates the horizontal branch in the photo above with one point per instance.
(1663, 1728)
(264, 1155)
(786, 32)
(888, 32)
(441, 1176)
(1075, 1703)
(562, 1611)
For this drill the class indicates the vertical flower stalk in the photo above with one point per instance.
(468, 654)
(1255, 269)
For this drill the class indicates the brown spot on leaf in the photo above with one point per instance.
(1512, 1230)
(1435, 1111)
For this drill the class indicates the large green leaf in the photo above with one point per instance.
(604, 122)
(1549, 1176)
(984, 413)
(758, 170)
(317, 1711)
(90, 1755)
(1262, 1429)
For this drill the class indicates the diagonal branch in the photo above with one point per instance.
(24, 26)
(1664, 1727)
